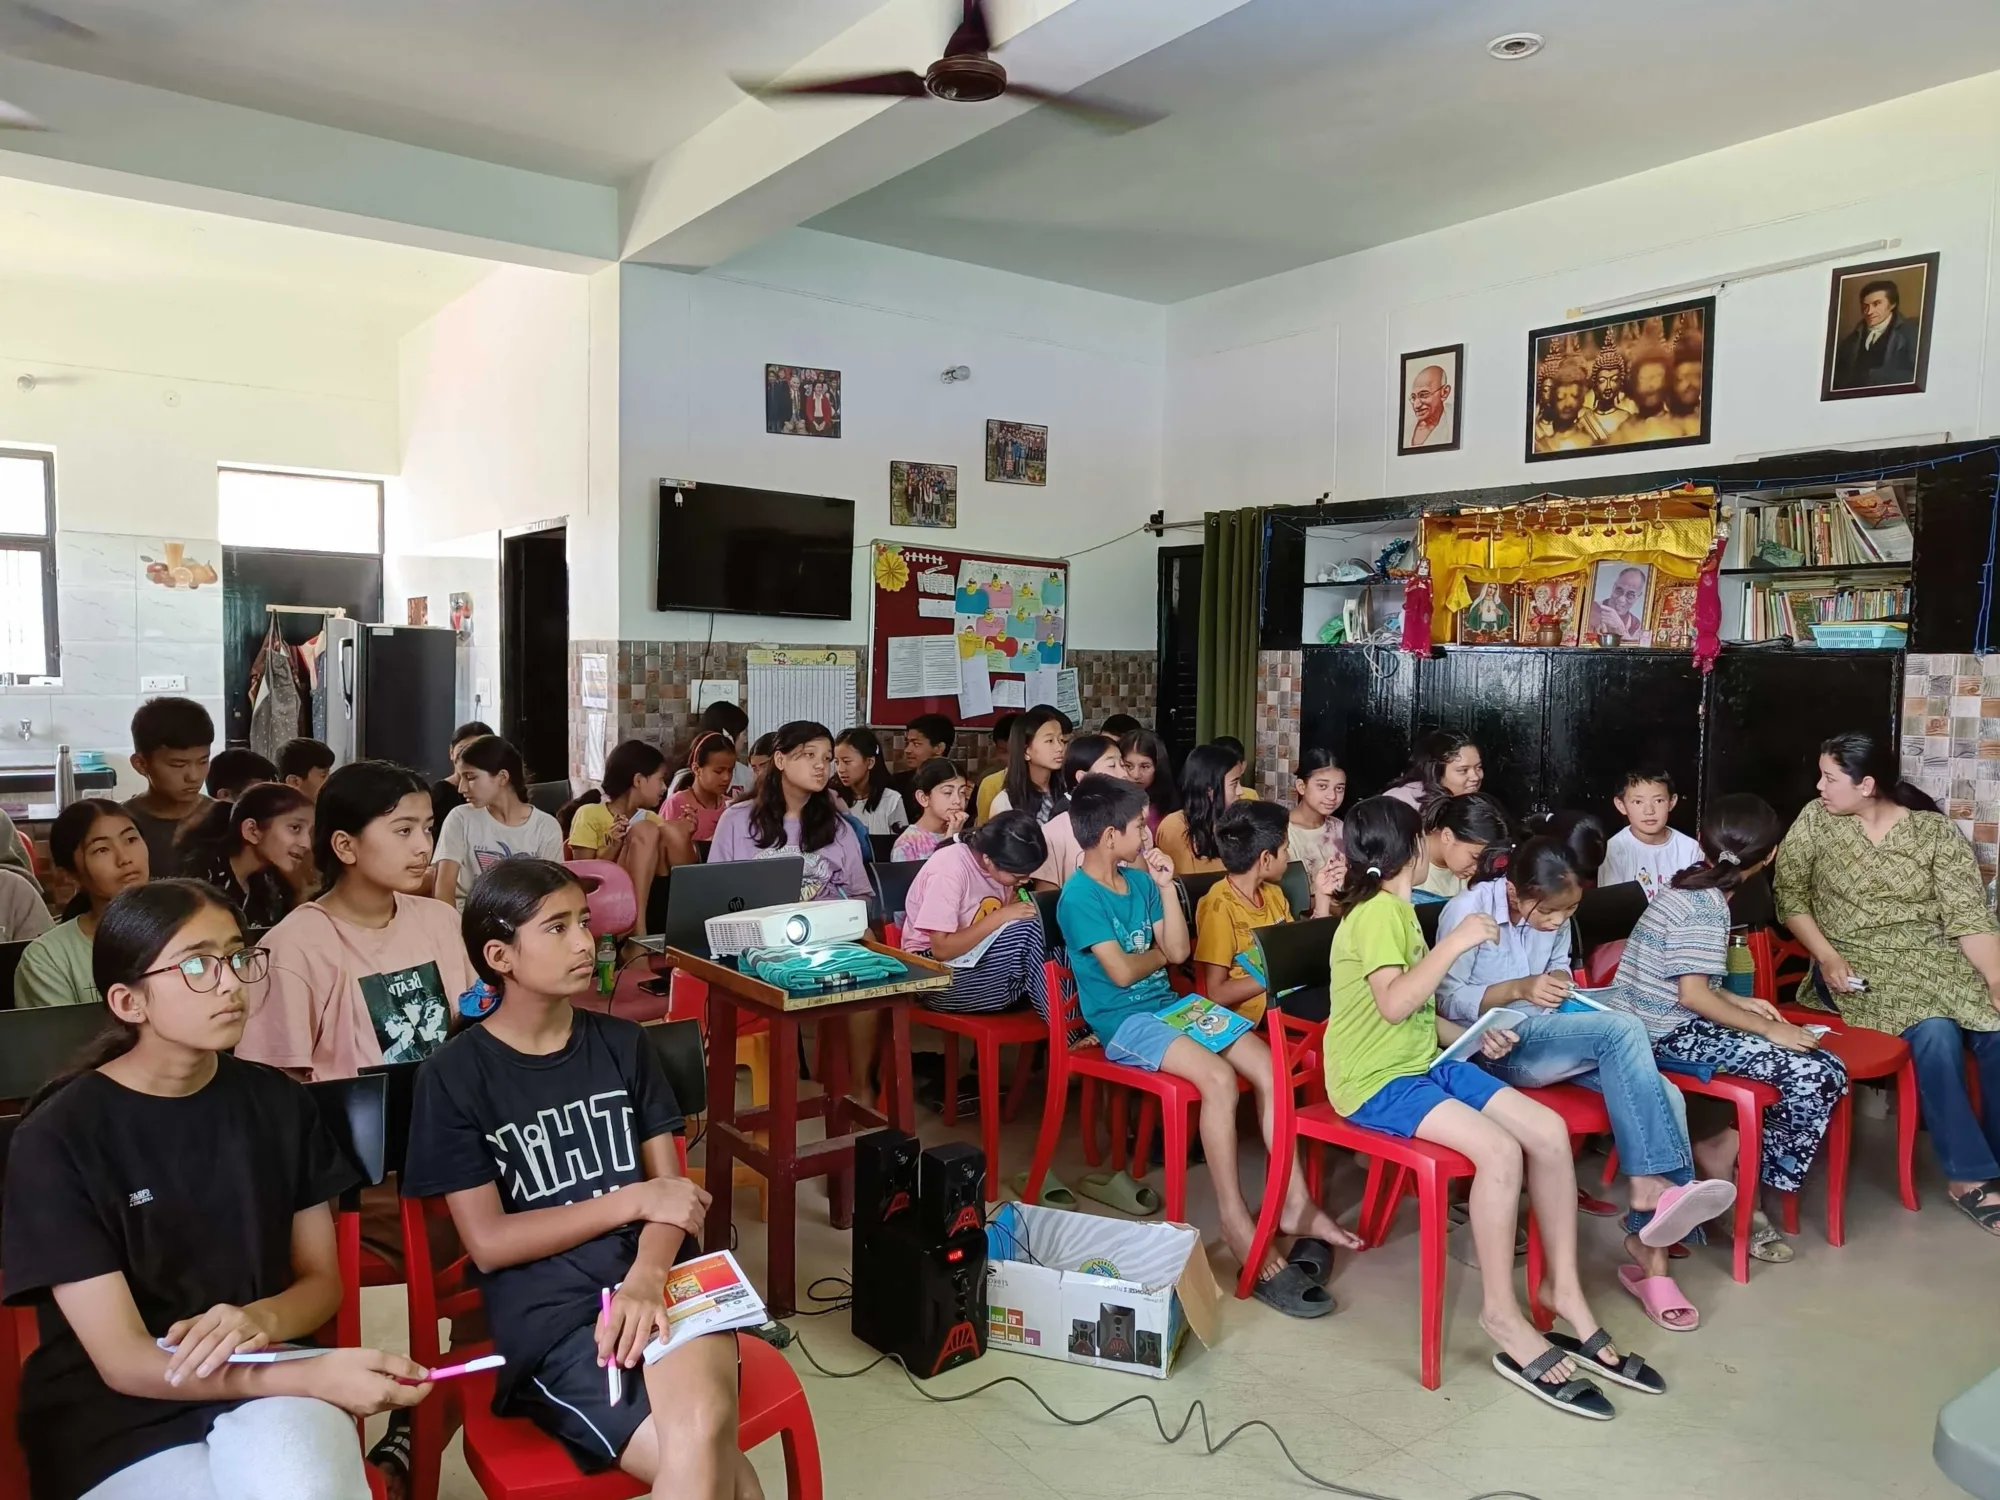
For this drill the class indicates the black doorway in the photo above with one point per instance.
(534, 649)
(1180, 637)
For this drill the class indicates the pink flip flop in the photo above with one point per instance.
(1682, 1209)
(1659, 1296)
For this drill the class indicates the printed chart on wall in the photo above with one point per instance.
(965, 634)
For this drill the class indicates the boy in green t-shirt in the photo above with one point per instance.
(1383, 1073)
(1122, 928)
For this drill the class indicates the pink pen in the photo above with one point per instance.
(450, 1372)
(614, 1384)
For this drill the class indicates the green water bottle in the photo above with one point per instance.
(1740, 966)
(607, 964)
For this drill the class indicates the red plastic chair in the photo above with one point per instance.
(614, 905)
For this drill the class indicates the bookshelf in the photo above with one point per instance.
(1820, 554)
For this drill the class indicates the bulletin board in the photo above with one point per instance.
(1012, 612)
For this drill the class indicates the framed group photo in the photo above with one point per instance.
(1878, 328)
(1630, 381)
(923, 494)
(1430, 383)
(800, 401)
(1017, 453)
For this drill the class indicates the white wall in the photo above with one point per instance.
(691, 356)
(1286, 388)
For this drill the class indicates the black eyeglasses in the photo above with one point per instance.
(203, 971)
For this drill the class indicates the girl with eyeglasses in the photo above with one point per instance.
(167, 1207)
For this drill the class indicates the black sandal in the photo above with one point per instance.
(1294, 1293)
(1630, 1371)
(1313, 1256)
(1985, 1215)
(392, 1454)
(1575, 1395)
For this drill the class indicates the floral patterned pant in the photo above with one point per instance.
(1809, 1085)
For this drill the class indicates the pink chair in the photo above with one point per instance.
(614, 905)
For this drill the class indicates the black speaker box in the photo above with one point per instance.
(885, 1179)
(923, 1302)
(951, 1190)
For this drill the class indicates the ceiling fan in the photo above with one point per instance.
(966, 74)
(48, 24)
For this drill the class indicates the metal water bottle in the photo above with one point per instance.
(65, 778)
(1740, 966)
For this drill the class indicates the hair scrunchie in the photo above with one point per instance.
(1500, 863)
(479, 1002)
(1376, 871)
(1729, 857)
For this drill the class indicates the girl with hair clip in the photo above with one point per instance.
(1087, 755)
(99, 844)
(968, 908)
(1149, 766)
(263, 853)
(1383, 1073)
(1876, 883)
(618, 823)
(939, 789)
(1460, 835)
(1035, 749)
(1314, 837)
(864, 782)
(1530, 900)
(619, 1216)
(794, 813)
(167, 1207)
(702, 802)
(1445, 763)
(497, 821)
(1211, 779)
(1671, 978)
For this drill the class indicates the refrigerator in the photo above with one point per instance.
(392, 693)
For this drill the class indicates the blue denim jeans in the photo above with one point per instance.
(1966, 1145)
(1607, 1051)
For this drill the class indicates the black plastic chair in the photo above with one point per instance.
(1428, 913)
(1297, 886)
(882, 846)
(10, 960)
(684, 1060)
(1607, 914)
(1297, 958)
(893, 880)
(401, 1081)
(38, 1043)
(1193, 888)
(355, 1112)
(549, 796)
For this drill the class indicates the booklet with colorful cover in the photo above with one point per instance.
(1214, 1026)
(709, 1294)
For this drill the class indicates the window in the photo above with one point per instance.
(299, 512)
(27, 564)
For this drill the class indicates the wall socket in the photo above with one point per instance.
(163, 683)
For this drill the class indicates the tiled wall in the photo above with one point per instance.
(1951, 742)
(652, 687)
(1280, 679)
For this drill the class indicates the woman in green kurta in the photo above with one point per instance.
(1880, 887)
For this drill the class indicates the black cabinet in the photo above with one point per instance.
(1357, 701)
(1769, 709)
(1609, 712)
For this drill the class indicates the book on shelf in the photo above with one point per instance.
(1771, 611)
(1859, 526)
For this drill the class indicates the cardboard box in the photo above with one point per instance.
(1096, 1291)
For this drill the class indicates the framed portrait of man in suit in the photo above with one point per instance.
(1878, 328)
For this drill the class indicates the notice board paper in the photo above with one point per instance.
(975, 689)
(922, 666)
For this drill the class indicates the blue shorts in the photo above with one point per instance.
(1141, 1042)
(1399, 1106)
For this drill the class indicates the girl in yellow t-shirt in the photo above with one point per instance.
(623, 826)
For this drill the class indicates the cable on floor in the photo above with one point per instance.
(1196, 1409)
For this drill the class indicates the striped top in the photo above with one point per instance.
(1682, 932)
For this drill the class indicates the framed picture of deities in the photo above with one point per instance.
(1878, 328)
(1548, 611)
(1430, 385)
(1489, 619)
(1017, 453)
(801, 402)
(1630, 381)
(923, 494)
(1673, 616)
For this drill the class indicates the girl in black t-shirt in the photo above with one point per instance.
(166, 1207)
(549, 1131)
(260, 853)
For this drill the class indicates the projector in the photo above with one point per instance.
(797, 924)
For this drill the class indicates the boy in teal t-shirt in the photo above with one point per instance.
(1122, 927)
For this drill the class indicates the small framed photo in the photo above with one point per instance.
(801, 402)
(1673, 616)
(1431, 397)
(1548, 611)
(1616, 612)
(923, 494)
(1017, 453)
(1489, 619)
(1878, 328)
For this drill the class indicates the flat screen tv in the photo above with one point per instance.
(736, 550)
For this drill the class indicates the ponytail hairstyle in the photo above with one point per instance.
(819, 819)
(259, 804)
(493, 755)
(864, 744)
(707, 745)
(1432, 753)
(353, 797)
(1860, 755)
(135, 930)
(504, 899)
(1085, 751)
(1314, 758)
(1013, 840)
(1203, 780)
(566, 814)
(628, 761)
(1737, 835)
(1474, 818)
(1020, 786)
(1541, 868)
(1580, 833)
(1380, 835)
(1165, 792)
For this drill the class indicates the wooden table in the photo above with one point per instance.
(783, 1161)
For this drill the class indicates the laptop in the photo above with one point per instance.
(697, 892)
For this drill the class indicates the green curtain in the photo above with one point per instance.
(1225, 694)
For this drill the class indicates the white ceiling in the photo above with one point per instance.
(1305, 129)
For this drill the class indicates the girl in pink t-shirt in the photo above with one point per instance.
(967, 908)
(940, 789)
(702, 802)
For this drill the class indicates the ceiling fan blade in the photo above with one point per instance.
(1104, 116)
(13, 117)
(905, 84)
(974, 36)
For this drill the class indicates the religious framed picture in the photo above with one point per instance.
(1878, 328)
(1548, 612)
(1489, 619)
(923, 494)
(1615, 612)
(1630, 380)
(1673, 616)
(1431, 385)
(801, 402)
(1017, 453)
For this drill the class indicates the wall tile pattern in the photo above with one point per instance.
(1951, 742)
